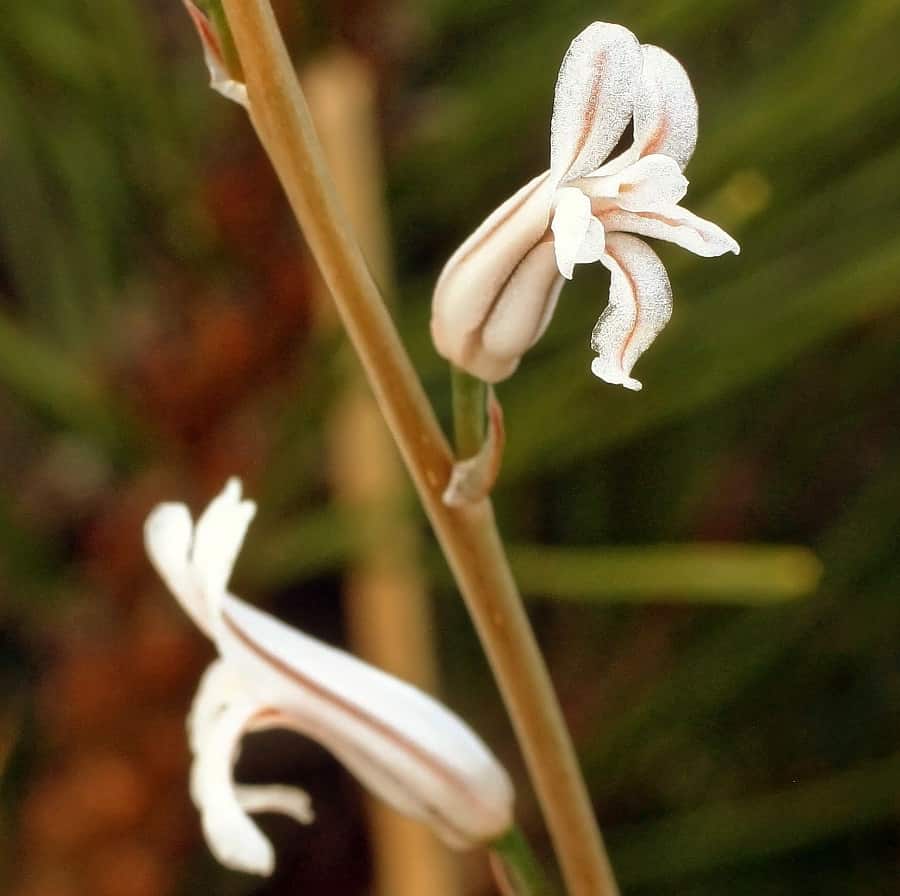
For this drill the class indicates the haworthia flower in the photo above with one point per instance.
(497, 293)
(404, 746)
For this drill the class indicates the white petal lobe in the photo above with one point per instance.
(233, 838)
(640, 305)
(675, 225)
(290, 801)
(168, 536)
(594, 99)
(217, 541)
(571, 222)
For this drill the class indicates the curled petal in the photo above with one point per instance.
(640, 305)
(219, 687)
(578, 236)
(168, 534)
(414, 753)
(675, 225)
(648, 183)
(218, 537)
(290, 801)
(594, 99)
(484, 277)
(232, 836)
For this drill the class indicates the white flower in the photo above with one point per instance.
(497, 293)
(406, 747)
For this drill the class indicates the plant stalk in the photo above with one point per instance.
(516, 868)
(469, 409)
(468, 535)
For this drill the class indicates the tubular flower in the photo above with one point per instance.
(497, 293)
(407, 748)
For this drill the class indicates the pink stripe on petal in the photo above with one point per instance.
(640, 305)
(594, 99)
(665, 113)
(475, 277)
(674, 224)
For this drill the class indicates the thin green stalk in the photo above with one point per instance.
(469, 408)
(519, 870)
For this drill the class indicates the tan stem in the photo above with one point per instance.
(468, 535)
(385, 600)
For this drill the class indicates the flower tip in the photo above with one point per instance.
(613, 376)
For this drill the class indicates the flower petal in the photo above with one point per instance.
(574, 238)
(594, 99)
(168, 534)
(665, 113)
(644, 185)
(415, 754)
(290, 801)
(481, 270)
(219, 687)
(218, 538)
(640, 305)
(520, 315)
(232, 836)
(675, 225)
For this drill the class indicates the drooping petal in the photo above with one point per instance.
(640, 305)
(219, 78)
(168, 535)
(646, 184)
(218, 537)
(675, 225)
(230, 833)
(219, 687)
(594, 99)
(481, 271)
(416, 754)
(577, 236)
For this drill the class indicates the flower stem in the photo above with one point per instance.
(519, 871)
(469, 407)
(468, 535)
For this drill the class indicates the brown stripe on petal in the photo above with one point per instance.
(591, 107)
(271, 719)
(425, 758)
(478, 239)
(475, 341)
(633, 287)
(653, 143)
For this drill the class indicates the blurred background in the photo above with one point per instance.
(712, 565)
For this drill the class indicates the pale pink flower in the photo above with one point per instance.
(497, 293)
(403, 745)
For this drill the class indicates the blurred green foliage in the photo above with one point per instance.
(731, 749)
